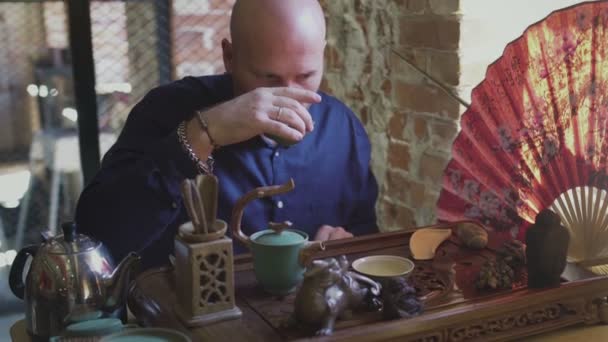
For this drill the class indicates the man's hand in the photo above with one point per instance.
(276, 111)
(326, 232)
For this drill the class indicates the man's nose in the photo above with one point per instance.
(289, 83)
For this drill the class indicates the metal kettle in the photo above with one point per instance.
(71, 278)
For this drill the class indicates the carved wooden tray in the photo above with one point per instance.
(445, 281)
(454, 309)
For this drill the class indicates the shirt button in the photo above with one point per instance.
(173, 205)
(280, 204)
(276, 154)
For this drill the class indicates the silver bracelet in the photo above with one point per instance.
(203, 167)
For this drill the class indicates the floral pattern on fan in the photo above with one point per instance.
(537, 125)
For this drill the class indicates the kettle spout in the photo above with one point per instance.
(118, 283)
(307, 253)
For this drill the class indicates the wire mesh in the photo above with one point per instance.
(137, 45)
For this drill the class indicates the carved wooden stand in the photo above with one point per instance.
(204, 280)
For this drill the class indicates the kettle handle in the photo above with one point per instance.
(15, 278)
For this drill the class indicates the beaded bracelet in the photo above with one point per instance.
(205, 127)
(203, 167)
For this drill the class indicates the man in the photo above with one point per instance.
(274, 67)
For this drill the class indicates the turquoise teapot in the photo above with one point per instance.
(280, 253)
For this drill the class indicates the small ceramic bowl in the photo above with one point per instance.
(384, 266)
(147, 335)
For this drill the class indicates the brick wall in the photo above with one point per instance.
(411, 123)
(198, 28)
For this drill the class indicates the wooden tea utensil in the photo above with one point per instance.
(200, 199)
(186, 188)
(208, 188)
(202, 227)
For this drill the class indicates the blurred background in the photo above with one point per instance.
(139, 44)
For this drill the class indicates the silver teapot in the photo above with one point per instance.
(71, 278)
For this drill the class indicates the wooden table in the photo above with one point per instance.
(462, 313)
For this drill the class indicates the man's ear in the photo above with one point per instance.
(227, 54)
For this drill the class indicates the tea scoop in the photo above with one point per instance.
(200, 200)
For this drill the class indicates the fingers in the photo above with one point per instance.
(293, 113)
(280, 129)
(326, 232)
(339, 233)
(323, 233)
(289, 117)
(298, 94)
(283, 111)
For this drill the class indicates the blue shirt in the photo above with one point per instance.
(134, 201)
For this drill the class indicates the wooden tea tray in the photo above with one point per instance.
(454, 309)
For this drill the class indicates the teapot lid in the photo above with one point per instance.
(70, 242)
(286, 237)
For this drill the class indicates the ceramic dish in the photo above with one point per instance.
(383, 266)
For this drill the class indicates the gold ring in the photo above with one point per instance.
(279, 114)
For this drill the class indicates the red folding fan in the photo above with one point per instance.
(535, 135)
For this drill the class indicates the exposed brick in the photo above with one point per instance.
(417, 193)
(325, 86)
(401, 68)
(397, 216)
(445, 67)
(367, 65)
(420, 128)
(325, 7)
(333, 59)
(397, 186)
(364, 22)
(384, 25)
(358, 5)
(402, 189)
(431, 197)
(387, 87)
(444, 6)
(356, 94)
(221, 5)
(415, 96)
(431, 167)
(399, 156)
(197, 34)
(424, 98)
(430, 32)
(396, 126)
(364, 114)
(411, 6)
(443, 134)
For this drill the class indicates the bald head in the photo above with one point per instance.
(292, 19)
(275, 43)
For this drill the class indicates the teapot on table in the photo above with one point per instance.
(280, 254)
(71, 279)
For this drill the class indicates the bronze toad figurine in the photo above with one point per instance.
(330, 291)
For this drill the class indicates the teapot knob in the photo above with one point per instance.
(69, 231)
